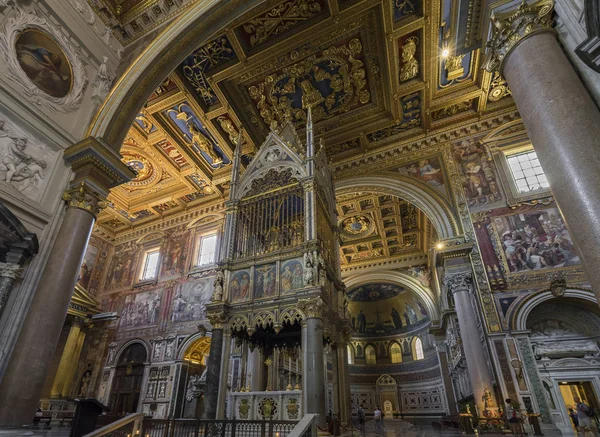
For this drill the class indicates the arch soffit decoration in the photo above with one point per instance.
(191, 30)
(518, 316)
(437, 209)
(513, 130)
(129, 343)
(398, 278)
(189, 342)
(208, 220)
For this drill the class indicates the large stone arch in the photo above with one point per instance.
(397, 278)
(519, 314)
(433, 205)
(203, 21)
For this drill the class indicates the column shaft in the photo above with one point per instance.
(224, 374)
(563, 124)
(335, 380)
(73, 366)
(344, 384)
(477, 367)
(23, 381)
(213, 375)
(58, 386)
(255, 369)
(313, 381)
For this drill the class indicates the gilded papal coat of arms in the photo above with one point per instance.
(244, 409)
(292, 408)
(267, 408)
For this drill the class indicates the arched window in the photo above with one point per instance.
(371, 355)
(350, 355)
(418, 349)
(396, 353)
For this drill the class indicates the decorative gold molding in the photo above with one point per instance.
(509, 29)
(83, 197)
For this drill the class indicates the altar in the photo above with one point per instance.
(265, 405)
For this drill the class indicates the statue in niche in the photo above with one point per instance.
(551, 328)
(85, 383)
(410, 66)
(218, 294)
(309, 273)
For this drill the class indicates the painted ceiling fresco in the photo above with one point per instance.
(384, 309)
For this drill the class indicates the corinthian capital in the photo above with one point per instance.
(9, 270)
(218, 319)
(457, 282)
(312, 308)
(83, 197)
(510, 28)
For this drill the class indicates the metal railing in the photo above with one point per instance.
(125, 427)
(216, 428)
(307, 427)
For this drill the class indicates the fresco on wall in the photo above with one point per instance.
(477, 174)
(122, 266)
(383, 309)
(142, 309)
(534, 240)
(87, 266)
(290, 275)
(264, 281)
(428, 170)
(239, 286)
(190, 299)
(176, 252)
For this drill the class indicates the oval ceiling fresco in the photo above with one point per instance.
(384, 309)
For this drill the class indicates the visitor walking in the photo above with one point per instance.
(585, 413)
(361, 419)
(513, 418)
(378, 416)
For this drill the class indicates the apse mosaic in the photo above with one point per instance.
(384, 309)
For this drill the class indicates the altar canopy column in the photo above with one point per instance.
(313, 378)
(213, 366)
(224, 377)
(96, 168)
(255, 370)
(560, 116)
(459, 283)
(345, 408)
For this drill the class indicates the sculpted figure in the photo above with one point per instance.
(410, 66)
(200, 140)
(218, 294)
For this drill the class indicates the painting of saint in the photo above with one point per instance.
(190, 299)
(479, 179)
(87, 265)
(44, 63)
(290, 275)
(264, 281)
(141, 309)
(120, 273)
(534, 241)
(428, 170)
(175, 254)
(239, 287)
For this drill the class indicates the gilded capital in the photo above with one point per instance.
(457, 282)
(83, 197)
(218, 319)
(312, 308)
(510, 28)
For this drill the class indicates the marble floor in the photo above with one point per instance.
(54, 432)
(396, 428)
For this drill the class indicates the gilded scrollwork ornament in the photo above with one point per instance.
(510, 28)
(83, 197)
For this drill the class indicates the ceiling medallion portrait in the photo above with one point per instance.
(336, 79)
(358, 225)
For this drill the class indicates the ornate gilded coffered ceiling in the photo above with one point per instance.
(377, 73)
(381, 229)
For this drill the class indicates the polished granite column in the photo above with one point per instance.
(223, 379)
(459, 284)
(335, 380)
(213, 370)
(345, 409)
(560, 116)
(313, 378)
(23, 381)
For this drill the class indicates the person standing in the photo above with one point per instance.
(361, 419)
(378, 416)
(574, 418)
(513, 419)
(584, 414)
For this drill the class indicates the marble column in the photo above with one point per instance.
(23, 381)
(224, 377)
(313, 381)
(460, 284)
(560, 116)
(217, 320)
(345, 409)
(335, 380)
(8, 274)
(255, 369)
(63, 374)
